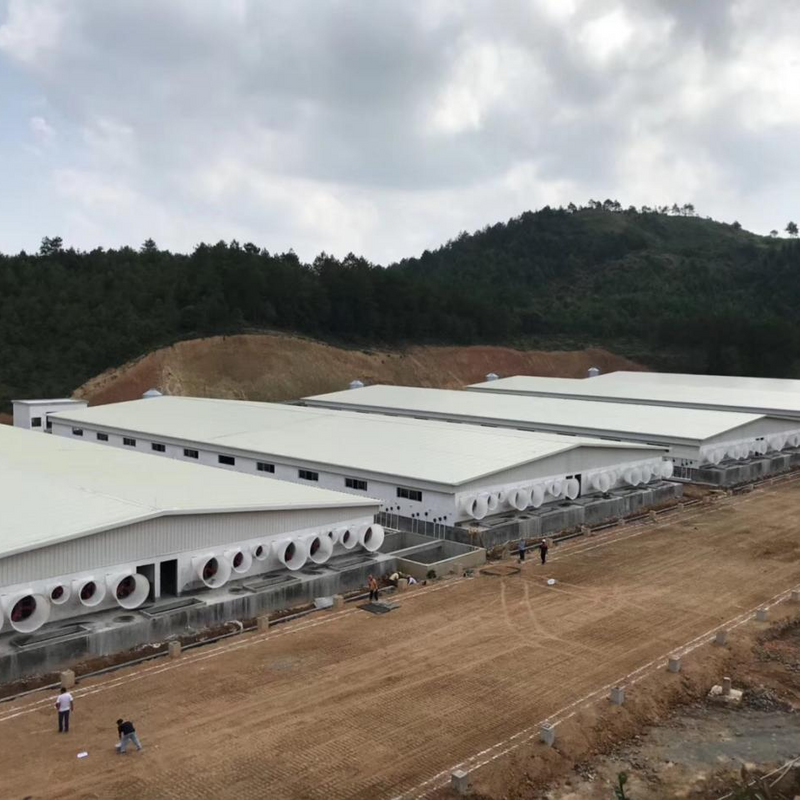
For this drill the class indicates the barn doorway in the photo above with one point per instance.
(169, 578)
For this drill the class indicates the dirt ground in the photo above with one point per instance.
(349, 704)
(699, 751)
(277, 367)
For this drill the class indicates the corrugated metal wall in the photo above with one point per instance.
(144, 541)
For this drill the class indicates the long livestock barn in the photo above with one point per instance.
(88, 528)
(623, 378)
(693, 437)
(431, 471)
(658, 392)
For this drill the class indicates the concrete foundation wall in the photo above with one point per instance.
(583, 511)
(732, 474)
(115, 631)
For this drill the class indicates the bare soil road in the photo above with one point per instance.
(347, 704)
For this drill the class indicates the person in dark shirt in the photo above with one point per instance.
(127, 733)
(521, 550)
(543, 550)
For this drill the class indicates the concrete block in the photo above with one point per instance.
(402, 584)
(547, 733)
(459, 782)
(174, 649)
(674, 664)
(263, 624)
(67, 678)
(794, 597)
(653, 516)
(621, 522)
(721, 638)
(338, 601)
(617, 695)
(681, 507)
(726, 687)
(762, 614)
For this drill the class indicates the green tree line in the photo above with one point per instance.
(662, 277)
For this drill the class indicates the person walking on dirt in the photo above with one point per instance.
(127, 733)
(373, 588)
(543, 550)
(521, 550)
(64, 704)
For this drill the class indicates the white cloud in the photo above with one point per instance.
(30, 30)
(388, 127)
(42, 131)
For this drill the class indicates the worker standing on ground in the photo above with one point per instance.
(373, 588)
(521, 550)
(543, 550)
(64, 704)
(127, 733)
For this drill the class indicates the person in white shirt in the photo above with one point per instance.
(64, 704)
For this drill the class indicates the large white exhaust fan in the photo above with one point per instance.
(26, 611)
(371, 537)
(90, 592)
(129, 589)
(212, 570)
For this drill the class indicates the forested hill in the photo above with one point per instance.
(722, 298)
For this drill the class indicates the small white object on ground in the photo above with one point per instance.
(83, 754)
(551, 581)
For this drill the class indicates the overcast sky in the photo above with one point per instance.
(386, 126)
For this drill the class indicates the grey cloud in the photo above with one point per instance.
(311, 122)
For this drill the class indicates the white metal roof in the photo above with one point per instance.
(55, 401)
(778, 404)
(625, 378)
(653, 423)
(422, 450)
(53, 489)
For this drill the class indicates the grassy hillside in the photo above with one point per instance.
(711, 296)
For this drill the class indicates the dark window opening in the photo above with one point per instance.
(227, 460)
(262, 466)
(190, 453)
(77, 431)
(355, 483)
(36, 422)
(307, 475)
(409, 494)
(102, 437)
(159, 448)
(128, 442)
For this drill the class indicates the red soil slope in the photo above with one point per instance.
(274, 367)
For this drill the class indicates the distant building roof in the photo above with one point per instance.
(586, 418)
(645, 392)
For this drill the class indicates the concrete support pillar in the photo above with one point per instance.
(174, 649)
(459, 782)
(547, 733)
(338, 601)
(621, 522)
(721, 638)
(761, 615)
(681, 507)
(653, 516)
(795, 596)
(674, 664)
(617, 695)
(726, 687)
(586, 530)
(263, 624)
(402, 584)
(67, 678)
